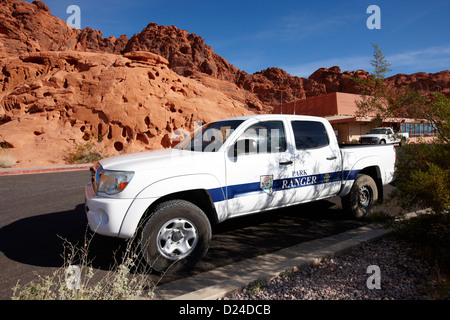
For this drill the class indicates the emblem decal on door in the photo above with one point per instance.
(266, 184)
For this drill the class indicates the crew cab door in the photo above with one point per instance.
(256, 163)
(317, 162)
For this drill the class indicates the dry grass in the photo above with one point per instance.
(6, 161)
(78, 280)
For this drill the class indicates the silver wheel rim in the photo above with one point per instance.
(177, 238)
(364, 197)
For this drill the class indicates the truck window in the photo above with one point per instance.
(210, 137)
(309, 134)
(269, 136)
(380, 131)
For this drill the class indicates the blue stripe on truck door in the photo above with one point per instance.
(240, 190)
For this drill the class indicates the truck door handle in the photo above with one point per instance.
(285, 163)
(331, 158)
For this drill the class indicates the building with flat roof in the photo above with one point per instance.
(340, 110)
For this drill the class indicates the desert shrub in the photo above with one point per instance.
(6, 161)
(423, 173)
(85, 153)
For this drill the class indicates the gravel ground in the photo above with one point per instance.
(346, 277)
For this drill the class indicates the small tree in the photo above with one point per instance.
(375, 93)
(379, 62)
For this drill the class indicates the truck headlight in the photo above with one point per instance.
(112, 182)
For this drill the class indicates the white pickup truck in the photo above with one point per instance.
(169, 199)
(384, 135)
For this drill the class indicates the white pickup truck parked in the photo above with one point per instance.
(384, 135)
(169, 199)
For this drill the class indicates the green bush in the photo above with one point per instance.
(423, 173)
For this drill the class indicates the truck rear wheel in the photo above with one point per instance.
(175, 237)
(362, 197)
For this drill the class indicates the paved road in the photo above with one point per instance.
(37, 211)
(34, 210)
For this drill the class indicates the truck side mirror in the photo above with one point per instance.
(244, 146)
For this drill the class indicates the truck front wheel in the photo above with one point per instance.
(175, 237)
(362, 197)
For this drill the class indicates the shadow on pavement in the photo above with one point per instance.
(39, 240)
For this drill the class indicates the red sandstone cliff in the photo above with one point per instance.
(61, 86)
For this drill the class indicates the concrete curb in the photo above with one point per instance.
(18, 171)
(219, 282)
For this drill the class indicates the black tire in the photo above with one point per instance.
(175, 237)
(382, 142)
(361, 199)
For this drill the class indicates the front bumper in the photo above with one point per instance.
(105, 215)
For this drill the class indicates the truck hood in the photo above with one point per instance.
(152, 159)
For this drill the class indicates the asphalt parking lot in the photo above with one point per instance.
(39, 212)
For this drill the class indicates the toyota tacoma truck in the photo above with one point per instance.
(384, 135)
(168, 199)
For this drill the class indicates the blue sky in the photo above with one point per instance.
(298, 36)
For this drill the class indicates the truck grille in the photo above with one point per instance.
(366, 141)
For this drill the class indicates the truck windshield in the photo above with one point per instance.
(379, 131)
(210, 137)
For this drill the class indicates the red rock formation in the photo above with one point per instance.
(186, 52)
(61, 86)
(128, 103)
(421, 81)
(30, 27)
(337, 81)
